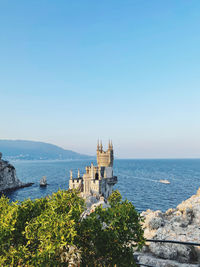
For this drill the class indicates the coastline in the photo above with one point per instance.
(16, 188)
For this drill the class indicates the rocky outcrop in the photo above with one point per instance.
(8, 178)
(91, 203)
(180, 224)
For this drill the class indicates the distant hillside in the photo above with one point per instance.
(31, 150)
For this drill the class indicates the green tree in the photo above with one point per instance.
(109, 236)
(51, 232)
(39, 232)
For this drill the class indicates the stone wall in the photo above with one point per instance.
(105, 158)
(75, 183)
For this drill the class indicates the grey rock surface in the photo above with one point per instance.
(8, 177)
(180, 224)
(148, 259)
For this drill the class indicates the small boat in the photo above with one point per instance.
(164, 181)
(43, 181)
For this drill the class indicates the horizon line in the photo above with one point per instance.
(117, 158)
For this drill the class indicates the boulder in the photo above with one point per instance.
(180, 224)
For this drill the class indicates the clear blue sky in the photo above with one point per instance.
(75, 71)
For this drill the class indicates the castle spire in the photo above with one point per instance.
(111, 145)
(71, 174)
(98, 145)
(78, 173)
(101, 147)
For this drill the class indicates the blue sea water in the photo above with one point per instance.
(138, 180)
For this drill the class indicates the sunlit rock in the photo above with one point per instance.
(180, 224)
(8, 177)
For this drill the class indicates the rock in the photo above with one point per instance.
(148, 259)
(180, 224)
(156, 222)
(8, 177)
(92, 203)
(198, 192)
(180, 253)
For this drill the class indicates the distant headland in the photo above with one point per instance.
(33, 150)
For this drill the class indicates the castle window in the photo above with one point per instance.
(96, 176)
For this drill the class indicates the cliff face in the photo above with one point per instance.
(180, 224)
(8, 178)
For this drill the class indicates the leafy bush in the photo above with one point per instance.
(50, 232)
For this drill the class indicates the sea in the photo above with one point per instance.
(138, 180)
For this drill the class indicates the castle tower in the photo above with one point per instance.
(105, 158)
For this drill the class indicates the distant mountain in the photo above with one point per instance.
(32, 150)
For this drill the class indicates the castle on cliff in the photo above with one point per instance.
(97, 180)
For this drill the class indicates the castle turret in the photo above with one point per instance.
(105, 158)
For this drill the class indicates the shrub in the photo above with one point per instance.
(50, 232)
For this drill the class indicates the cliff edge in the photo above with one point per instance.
(180, 224)
(8, 177)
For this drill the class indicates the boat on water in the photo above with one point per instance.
(43, 181)
(164, 181)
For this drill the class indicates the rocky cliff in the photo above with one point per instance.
(180, 224)
(8, 178)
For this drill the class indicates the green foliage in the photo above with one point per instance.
(8, 218)
(109, 236)
(50, 232)
(114, 198)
